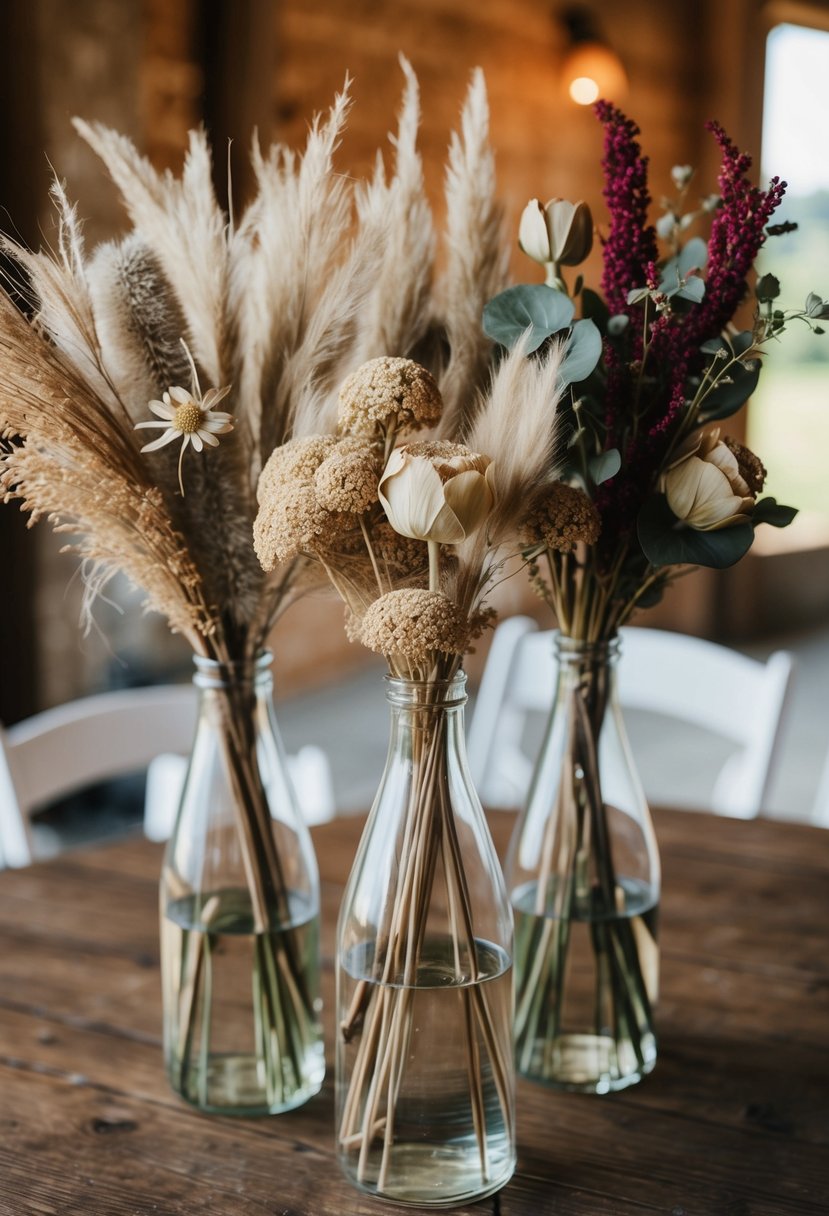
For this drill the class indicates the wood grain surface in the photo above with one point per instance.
(734, 1121)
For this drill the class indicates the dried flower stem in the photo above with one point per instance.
(380, 1018)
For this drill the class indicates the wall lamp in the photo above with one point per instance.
(590, 68)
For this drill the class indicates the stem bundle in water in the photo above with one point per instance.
(425, 1101)
(239, 938)
(585, 932)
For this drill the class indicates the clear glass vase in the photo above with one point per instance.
(240, 912)
(425, 1073)
(583, 875)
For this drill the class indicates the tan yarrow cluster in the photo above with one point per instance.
(347, 480)
(292, 519)
(413, 623)
(563, 518)
(384, 517)
(388, 390)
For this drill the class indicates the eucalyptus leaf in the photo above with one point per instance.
(770, 511)
(713, 345)
(742, 341)
(617, 325)
(816, 307)
(530, 306)
(651, 597)
(583, 351)
(605, 466)
(732, 392)
(666, 542)
(594, 308)
(692, 256)
(665, 225)
(768, 287)
(693, 289)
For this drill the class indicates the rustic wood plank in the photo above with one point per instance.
(734, 1118)
(102, 1152)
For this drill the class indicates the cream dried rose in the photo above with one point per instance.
(559, 232)
(704, 486)
(437, 492)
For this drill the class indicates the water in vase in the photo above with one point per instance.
(586, 983)
(241, 1030)
(425, 1114)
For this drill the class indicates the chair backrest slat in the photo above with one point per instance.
(96, 738)
(688, 679)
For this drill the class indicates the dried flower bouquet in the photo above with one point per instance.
(412, 534)
(190, 311)
(651, 488)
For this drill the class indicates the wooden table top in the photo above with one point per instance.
(734, 1121)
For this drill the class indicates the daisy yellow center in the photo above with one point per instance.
(187, 418)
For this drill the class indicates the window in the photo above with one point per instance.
(789, 416)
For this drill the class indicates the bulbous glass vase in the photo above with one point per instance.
(425, 1073)
(240, 912)
(584, 881)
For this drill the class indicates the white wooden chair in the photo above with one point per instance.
(95, 738)
(680, 677)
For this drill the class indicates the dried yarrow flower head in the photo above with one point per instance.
(347, 480)
(289, 523)
(295, 461)
(293, 518)
(415, 625)
(404, 556)
(388, 394)
(562, 518)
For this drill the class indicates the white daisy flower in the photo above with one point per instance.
(188, 416)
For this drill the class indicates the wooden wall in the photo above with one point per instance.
(545, 144)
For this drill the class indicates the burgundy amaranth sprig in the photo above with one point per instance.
(738, 232)
(630, 246)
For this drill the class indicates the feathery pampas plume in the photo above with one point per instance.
(476, 255)
(320, 274)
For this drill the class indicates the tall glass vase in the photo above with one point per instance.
(583, 875)
(425, 1072)
(240, 912)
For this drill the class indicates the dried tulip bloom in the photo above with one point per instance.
(388, 394)
(414, 625)
(752, 469)
(438, 492)
(704, 485)
(563, 518)
(560, 232)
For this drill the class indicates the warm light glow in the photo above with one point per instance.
(584, 91)
(590, 71)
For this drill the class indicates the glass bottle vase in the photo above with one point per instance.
(240, 911)
(425, 1074)
(584, 880)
